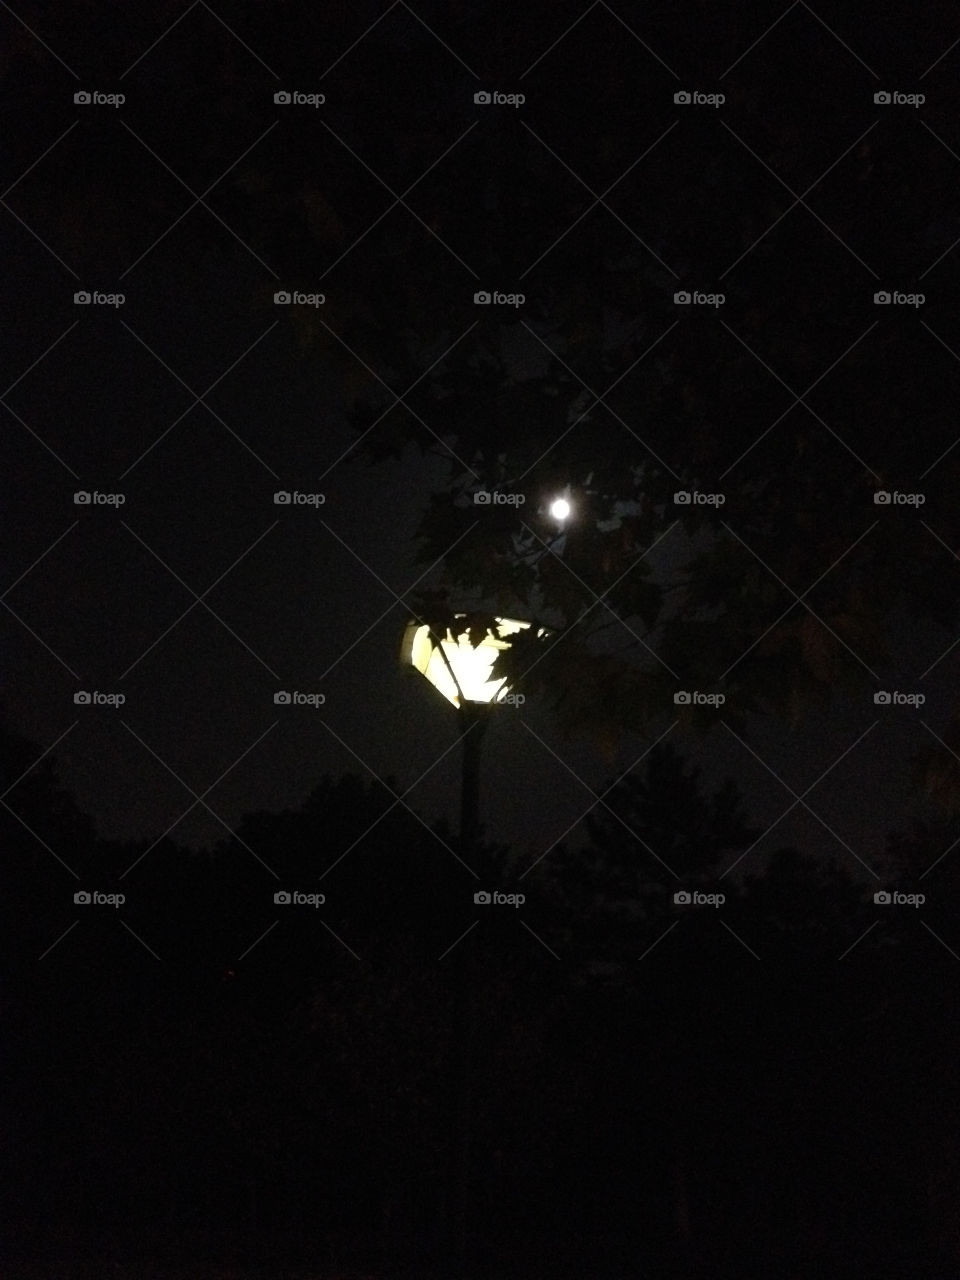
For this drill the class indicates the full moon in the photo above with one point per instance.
(560, 508)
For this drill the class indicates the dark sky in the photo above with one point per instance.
(301, 598)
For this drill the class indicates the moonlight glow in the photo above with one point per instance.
(560, 508)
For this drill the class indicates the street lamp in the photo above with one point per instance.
(455, 663)
(457, 660)
(458, 665)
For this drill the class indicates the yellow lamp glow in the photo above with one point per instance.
(453, 665)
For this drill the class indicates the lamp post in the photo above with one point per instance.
(458, 661)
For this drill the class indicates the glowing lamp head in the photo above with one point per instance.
(458, 669)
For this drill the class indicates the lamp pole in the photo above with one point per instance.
(458, 665)
(474, 718)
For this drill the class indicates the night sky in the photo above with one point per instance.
(105, 398)
(183, 586)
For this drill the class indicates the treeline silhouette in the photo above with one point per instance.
(202, 1074)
